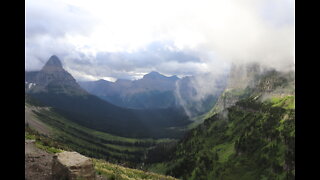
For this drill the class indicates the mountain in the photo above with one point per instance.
(154, 90)
(198, 94)
(253, 137)
(52, 78)
(249, 78)
(55, 87)
(155, 75)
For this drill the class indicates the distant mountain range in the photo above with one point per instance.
(55, 87)
(155, 90)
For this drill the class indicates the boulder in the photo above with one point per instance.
(72, 166)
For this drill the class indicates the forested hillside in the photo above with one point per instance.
(252, 139)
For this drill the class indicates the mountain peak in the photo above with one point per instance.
(53, 64)
(174, 77)
(153, 75)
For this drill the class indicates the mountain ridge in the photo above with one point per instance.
(154, 90)
(58, 89)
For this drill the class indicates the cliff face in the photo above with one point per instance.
(253, 79)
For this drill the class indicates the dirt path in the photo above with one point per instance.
(37, 162)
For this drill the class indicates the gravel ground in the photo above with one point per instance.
(37, 162)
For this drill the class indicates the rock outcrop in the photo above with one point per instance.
(72, 166)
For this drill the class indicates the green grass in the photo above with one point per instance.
(113, 171)
(252, 141)
(224, 151)
(102, 167)
(125, 148)
(29, 136)
(159, 168)
(287, 102)
(44, 142)
(94, 143)
(48, 149)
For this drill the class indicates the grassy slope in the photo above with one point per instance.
(228, 93)
(251, 140)
(113, 171)
(94, 143)
(104, 168)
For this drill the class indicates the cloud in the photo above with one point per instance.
(48, 25)
(125, 39)
(157, 56)
(56, 19)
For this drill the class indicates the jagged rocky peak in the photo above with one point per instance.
(53, 64)
(52, 77)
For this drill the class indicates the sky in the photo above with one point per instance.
(125, 39)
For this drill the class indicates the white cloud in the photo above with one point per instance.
(217, 32)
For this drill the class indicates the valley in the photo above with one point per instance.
(157, 90)
(85, 140)
(247, 130)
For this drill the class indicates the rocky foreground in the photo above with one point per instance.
(72, 165)
(40, 165)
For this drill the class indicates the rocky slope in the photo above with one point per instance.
(52, 77)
